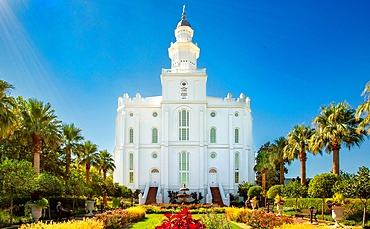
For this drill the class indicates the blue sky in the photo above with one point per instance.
(289, 57)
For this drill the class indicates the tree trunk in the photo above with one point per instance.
(11, 210)
(68, 162)
(322, 207)
(364, 216)
(104, 174)
(282, 173)
(336, 161)
(105, 200)
(87, 173)
(264, 180)
(303, 158)
(36, 153)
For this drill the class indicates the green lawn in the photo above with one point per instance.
(152, 220)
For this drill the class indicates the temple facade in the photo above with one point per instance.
(184, 136)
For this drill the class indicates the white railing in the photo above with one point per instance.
(159, 198)
(184, 70)
(225, 198)
(209, 195)
(142, 198)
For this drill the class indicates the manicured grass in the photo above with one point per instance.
(152, 220)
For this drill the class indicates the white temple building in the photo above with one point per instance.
(184, 136)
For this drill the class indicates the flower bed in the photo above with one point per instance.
(117, 218)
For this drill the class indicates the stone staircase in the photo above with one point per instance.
(216, 196)
(151, 199)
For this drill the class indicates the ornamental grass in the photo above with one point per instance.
(81, 224)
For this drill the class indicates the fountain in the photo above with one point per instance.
(183, 196)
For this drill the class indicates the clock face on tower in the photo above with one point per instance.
(184, 90)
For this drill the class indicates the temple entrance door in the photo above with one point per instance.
(212, 177)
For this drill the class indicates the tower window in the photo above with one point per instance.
(184, 168)
(183, 125)
(154, 135)
(213, 135)
(131, 169)
(131, 135)
(236, 135)
(236, 169)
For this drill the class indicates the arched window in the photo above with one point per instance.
(183, 125)
(154, 135)
(236, 135)
(236, 164)
(184, 168)
(131, 168)
(212, 135)
(131, 135)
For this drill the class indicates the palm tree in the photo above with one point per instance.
(40, 126)
(264, 162)
(298, 145)
(7, 104)
(89, 157)
(278, 156)
(105, 162)
(336, 125)
(364, 109)
(71, 140)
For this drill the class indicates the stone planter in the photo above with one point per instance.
(337, 213)
(36, 212)
(90, 206)
(254, 204)
(280, 208)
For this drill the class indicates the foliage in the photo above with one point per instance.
(336, 125)
(80, 224)
(182, 219)
(49, 185)
(173, 196)
(117, 218)
(16, 178)
(279, 199)
(39, 203)
(295, 189)
(364, 110)
(275, 190)
(321, 185)
(299, 226)
(212, 221)
(255, 191)
(358, 186)
(262, 220)
(298, 145)
(243, 189)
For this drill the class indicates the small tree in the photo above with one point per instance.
(243, 189)
(357, 186)
(321, 185)
(255, 191)
(295, 189)
(16, 178)
(49, 186)
(275, 190)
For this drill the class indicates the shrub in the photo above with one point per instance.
(212, 221)
(118, 217)
(183, 219)
(262, 220)
(254, 191)
(275, 190)
(237, 214)
(81, 224)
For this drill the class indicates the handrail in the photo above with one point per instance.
(142, 198)
(209, 195)
(159, 195)
(225, 198)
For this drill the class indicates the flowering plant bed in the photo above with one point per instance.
(183, 219)
(117, 218)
